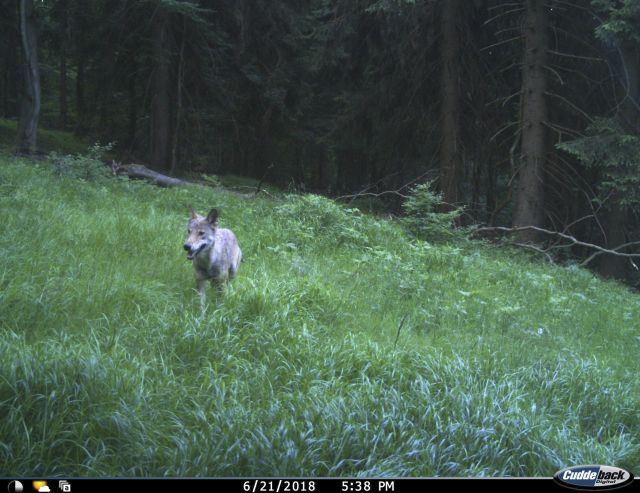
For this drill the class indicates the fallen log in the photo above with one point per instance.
(140, 171)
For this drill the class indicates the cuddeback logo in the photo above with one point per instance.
(593, 477)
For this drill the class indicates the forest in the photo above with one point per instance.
(521, 114)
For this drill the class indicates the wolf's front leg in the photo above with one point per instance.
(200, 283)
(218, 284)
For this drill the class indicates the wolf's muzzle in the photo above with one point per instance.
(190, 252)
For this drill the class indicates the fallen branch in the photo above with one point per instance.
(573, 241)
(142, 172)
(543, 251)
(615, 252)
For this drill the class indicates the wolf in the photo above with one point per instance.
(214, 251)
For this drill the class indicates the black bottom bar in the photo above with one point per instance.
(281, 485)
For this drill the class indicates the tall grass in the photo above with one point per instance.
(107, 366)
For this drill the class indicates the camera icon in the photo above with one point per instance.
(64, 486)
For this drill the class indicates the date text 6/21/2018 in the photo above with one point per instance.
(317, 486)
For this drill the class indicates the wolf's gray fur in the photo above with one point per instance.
(214, 251)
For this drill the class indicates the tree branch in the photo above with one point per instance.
(614, 251)
(499, 43)
(578, 57)
(573, 242)
(570, 104)
(397, 191)
(507, 12)
(537, 249)
(371, 194)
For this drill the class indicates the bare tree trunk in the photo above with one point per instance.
(80, 104)
(529, 208)
(133, 103)
(81, 110)
(160, 156)
(491, 184)
(299, 173)
(450, 152)
(30, 112)
(10, 65)
(320, 157)
(476, 185)
(64, 109)
(178, 108)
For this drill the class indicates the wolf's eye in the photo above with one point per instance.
(201, 233)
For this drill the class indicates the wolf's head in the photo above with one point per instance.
(200, 232)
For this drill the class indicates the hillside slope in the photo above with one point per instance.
(107, 367)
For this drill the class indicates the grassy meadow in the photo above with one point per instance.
(344, 347)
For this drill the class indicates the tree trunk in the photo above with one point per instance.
(133, 103)
(160, 156)
(529, 208)
(629, 117)
(64, 111)
(348, 172)
(30, 112)
(9, 88)
(80, 104)
(614, 224)
(491, 184)
(450, 152)
(476, 185)
(80, 13)
(320, 157)
(178, 101)
(299, 167)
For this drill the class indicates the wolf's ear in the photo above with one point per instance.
(194, 214)
(212, 217)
